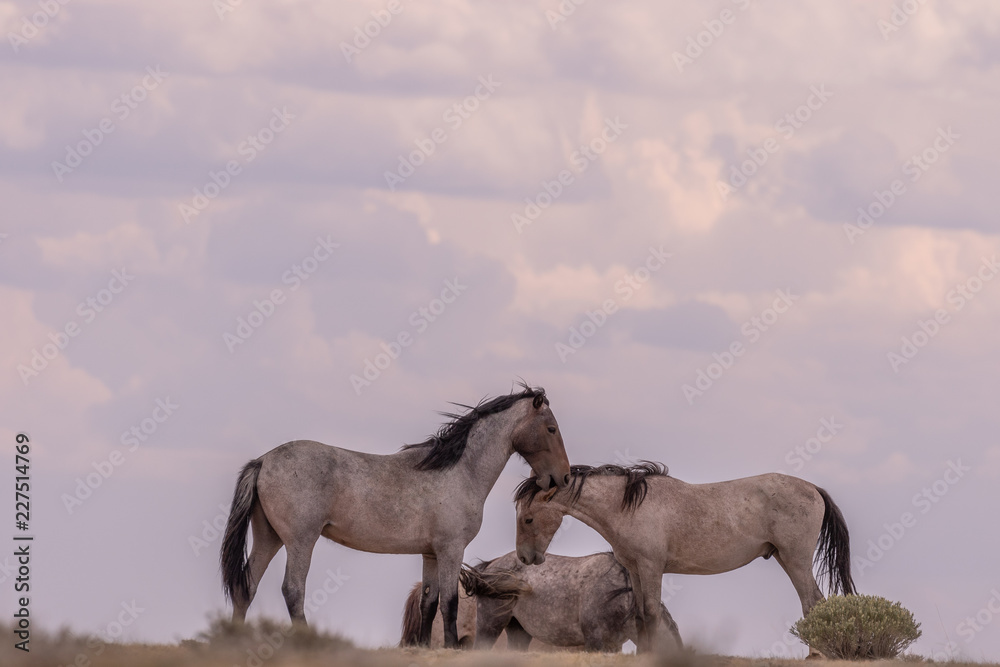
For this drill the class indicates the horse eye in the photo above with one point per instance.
(552, 429)
(528, 520)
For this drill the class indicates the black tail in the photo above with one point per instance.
(411, 618)
(504, 585)
(235, 572)
(833, 552)
(626, 589)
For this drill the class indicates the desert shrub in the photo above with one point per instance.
(222, 633)
(858, 627)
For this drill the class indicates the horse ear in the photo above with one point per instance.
(539, 399)
(547, 496)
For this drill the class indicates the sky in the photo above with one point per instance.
(737, 237)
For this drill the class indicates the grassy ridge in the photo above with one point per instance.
(269, 644)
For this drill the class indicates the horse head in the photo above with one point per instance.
(537, 438)
(538, 519)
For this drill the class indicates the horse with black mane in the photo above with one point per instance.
(425, 499)
(657, 524)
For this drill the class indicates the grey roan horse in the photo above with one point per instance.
(567, 602)
(657, 524)
(426, 499)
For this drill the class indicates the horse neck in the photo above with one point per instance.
(489, 448)
(598, 504)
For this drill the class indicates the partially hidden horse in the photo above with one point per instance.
(425, 499)
(412, 620)
(657, 524)
(579, 603)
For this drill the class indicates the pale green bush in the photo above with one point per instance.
(858, 627)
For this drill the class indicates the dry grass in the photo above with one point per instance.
(268, 644)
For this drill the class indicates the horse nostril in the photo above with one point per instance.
(566, 478)
(523, 560)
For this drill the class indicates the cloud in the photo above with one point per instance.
(317, 264)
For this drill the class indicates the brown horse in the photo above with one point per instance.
(657, 524)
(426, 499)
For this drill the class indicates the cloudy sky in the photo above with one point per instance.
(736, 237)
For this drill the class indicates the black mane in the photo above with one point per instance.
(635, 481)
(448, 444)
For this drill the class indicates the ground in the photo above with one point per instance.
(273, 645)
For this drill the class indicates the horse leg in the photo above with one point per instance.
(518, 638)
(428, 599)
(647, 598)
(640, 618)
(296, 570)
(448, 566)
(595, 641)
(266, 544)
(799, 568)
(671, 627)
(491, 620)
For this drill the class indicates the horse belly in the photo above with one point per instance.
(715, 558)
(376, 539)
(553, 624)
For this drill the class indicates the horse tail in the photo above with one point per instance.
(235, 569)
(833, 551)
(411, 617)
(632, 611)
(504, 585)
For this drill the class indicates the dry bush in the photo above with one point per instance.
(858, 627)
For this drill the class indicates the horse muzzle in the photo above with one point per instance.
(531, 557)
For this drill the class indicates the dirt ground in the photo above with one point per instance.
(273, 645)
